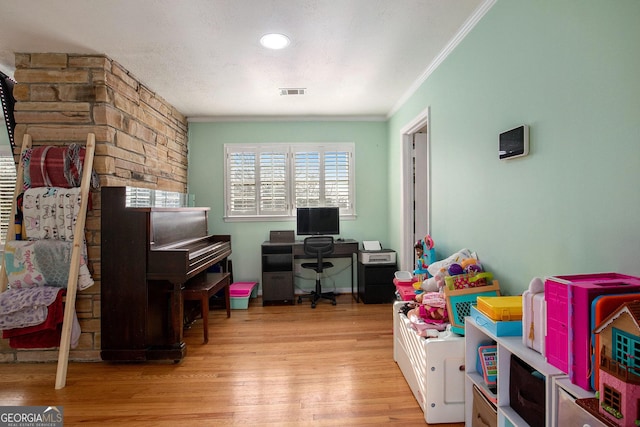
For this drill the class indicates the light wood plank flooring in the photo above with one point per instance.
(265, 366)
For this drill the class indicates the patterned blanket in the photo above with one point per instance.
(32, 318)
(49, 166)
(50, 213)
(31, 263)
(20, 308)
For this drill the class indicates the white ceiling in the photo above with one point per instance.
(354, 57)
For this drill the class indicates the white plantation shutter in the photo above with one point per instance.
(307, 179)
(7, 186)
(272, 180)
(241, 183)
(337, 169)
(273, 183)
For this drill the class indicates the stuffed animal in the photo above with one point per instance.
(430, 285)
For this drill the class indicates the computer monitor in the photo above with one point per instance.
(318, 221)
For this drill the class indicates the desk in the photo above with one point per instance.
(278, 266)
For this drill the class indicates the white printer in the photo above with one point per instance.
(374, 254)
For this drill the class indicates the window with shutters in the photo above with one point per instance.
(272, 180)
(7, 186)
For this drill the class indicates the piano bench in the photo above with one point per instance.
(202, 290)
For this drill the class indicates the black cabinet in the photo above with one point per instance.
(277, 273)
(375, 283)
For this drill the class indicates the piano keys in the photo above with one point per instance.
(148, 254)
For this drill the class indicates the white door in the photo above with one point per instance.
(415, 200)
(420, 185)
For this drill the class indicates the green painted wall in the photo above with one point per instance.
(569, 69)
(206, 141)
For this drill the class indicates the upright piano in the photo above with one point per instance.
(148, 255)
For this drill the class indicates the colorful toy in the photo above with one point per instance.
(619, 378)
(430, 310)
(425, 255)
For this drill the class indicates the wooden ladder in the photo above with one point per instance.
(78, 243)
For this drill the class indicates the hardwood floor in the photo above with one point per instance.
(275, 365)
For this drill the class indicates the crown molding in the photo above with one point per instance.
(468, 25)
(319, 118)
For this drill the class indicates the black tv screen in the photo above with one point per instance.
(318, 221)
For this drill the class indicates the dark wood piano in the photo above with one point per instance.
(148, 254)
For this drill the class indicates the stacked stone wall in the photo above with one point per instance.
(141, 141)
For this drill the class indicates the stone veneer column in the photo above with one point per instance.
(141, 141)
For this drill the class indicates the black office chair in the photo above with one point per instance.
(318, 246)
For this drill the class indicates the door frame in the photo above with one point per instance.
(406, 194)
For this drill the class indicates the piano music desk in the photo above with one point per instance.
(205, 289)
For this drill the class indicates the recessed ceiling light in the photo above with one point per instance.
(275, 41)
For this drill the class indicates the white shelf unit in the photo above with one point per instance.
(476, 335)
(564, 394)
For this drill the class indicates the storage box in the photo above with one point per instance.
(406, 293)
(433, 369)
(282, 236)
(526, 392)
(404, 280)
(569, 298)
(240, 292)
(468, 280)
(459, 303)
(484, 413)
(501, 308)
(499, 328)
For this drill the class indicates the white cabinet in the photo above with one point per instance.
(433, 369)
(476, 335)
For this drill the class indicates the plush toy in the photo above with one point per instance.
(430, 285)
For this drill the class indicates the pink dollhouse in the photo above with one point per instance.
(619, 377)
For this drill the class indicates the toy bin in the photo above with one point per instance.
(404, 282)
(240, 292)
(459, 303)
(468, 280)
(526, 392)
(485, 413)
(568, 298)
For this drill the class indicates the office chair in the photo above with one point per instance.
(318, 246)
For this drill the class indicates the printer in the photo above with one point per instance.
(374, 254)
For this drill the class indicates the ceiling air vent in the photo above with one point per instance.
(292, 91)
